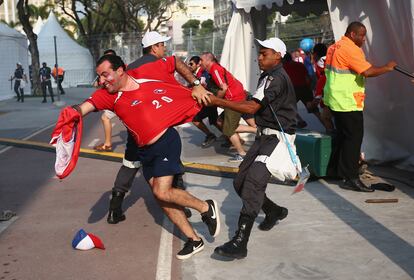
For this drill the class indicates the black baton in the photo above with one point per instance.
(403, 71)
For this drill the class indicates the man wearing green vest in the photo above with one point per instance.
(344, 93)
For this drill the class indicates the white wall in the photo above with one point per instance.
(13, 50)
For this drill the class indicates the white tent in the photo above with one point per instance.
(239, 54)
(13, 46)
(388, 136)
(38, 26)
(73, 58)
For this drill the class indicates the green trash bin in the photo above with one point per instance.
(314, 149)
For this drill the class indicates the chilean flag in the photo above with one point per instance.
(66, 137)
(86, 241)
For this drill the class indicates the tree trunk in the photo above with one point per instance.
(24, 16)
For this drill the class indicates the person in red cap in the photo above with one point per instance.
(275, 95)
(137, 102)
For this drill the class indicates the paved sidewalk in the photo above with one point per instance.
(330, 233)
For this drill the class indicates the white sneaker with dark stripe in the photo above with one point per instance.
(190, 248)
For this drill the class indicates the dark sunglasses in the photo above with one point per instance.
(191, 63)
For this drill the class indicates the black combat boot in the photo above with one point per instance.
(115, 214)
(237, 247)
(274, 213)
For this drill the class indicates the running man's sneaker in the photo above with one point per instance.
(212, 218)
(210, 139)
(190, 248)
(236, 158)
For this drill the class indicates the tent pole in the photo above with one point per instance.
(259, 21)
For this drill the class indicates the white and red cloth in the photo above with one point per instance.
(86, 241)
(66, 137)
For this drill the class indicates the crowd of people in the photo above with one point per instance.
(147, 89)
(45, 76)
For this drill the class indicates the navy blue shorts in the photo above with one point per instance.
(163, 157)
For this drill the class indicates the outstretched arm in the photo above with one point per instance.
(84, 108)
(248, 106)
(376, 71)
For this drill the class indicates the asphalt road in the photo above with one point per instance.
(330, 233)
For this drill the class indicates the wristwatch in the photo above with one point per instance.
(196, 82)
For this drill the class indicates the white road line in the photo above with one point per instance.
(5, 149)
(93, 142)
(165, 251)
(39, 131)
(30, 136)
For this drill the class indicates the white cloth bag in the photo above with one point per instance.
(279, 163)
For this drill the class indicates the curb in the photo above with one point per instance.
(191, 167)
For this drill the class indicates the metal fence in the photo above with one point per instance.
(291, 32)
(128, 45)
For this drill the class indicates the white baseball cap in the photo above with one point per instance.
(275, 44)
(153, 37)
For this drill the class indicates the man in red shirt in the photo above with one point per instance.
(232, 90)
(137, 103)
(209, 112)
(301, 82)
(151, 65)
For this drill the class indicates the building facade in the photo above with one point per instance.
(223, 10)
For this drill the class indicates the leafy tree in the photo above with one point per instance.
(160, 11)
(11, 24)
(202, 38)
(96, 19)
(40, 11)
(24, 13)
(191, 26)
(207, 27)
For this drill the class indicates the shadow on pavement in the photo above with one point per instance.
(386, 241)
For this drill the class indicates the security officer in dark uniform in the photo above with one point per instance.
(274, 89)
(45, 74)
(19, 77)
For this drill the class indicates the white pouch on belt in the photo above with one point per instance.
(279, 163)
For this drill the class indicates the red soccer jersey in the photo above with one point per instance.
(297, 73)
(149, 110)
(220, 75)
(162, 69)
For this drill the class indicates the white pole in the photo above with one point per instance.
(6, 12)
(13, 10)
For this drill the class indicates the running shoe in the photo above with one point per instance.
(190, 248)
(236, 158)
(210, 139)
(212, 218)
